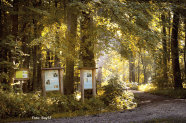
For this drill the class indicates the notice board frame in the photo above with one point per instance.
(82, 70)
(61, 84)
(22, 80)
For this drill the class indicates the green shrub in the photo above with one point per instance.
(115, 95)
(93, 104)
(32, 104)
(133, 85)
(73, 104)
(22, 105)
(28, 105)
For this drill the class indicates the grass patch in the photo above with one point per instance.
(180, 94)
(77, 113)
(173, 93)
(14, 120)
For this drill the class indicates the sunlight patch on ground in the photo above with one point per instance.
(146, 87)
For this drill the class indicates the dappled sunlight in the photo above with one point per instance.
(76, 57)
(184, 85)
(78, 95)
(146, 87)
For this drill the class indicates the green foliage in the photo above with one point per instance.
(28, 105)
(94, 104)
(116, 97)
(22, 105)
(132, 85)
(178, 93)
(66, 104)
(161, 82)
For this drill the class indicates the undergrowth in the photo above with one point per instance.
(20, 105)
(179, 93)
(169, 92)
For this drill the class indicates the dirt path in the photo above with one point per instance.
(150, 107)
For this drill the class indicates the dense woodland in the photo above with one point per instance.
(133, 41)
(149, 34)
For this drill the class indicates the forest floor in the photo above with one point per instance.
(151, 109)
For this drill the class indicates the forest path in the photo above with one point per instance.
(150, 107)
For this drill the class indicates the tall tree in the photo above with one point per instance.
(15, 19)
(15, 34)
(175, 51)
(1, 25)
(164, 43)
(185, 49)
(36, 81)
(56, 58)
(71, 21)
(131, 68)
(87, 42)
(87, 45)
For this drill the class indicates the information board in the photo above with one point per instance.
(51, 80)
(87, 79)
(22, 74)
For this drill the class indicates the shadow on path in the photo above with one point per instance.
(144, 98)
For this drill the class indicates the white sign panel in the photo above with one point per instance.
(87, 79)
(25, 74)
(51, 80)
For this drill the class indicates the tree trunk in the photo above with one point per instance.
(39, 62)
(169, 41)
(1, 37)
(36, 83)
(48, 63)
(15, 19)
(175, 52)
(164, 43)
(5, 30)
(138, 72)
(87, 47)
(15, 34)
(1, 26)
(99, 75)
(25, 59)
(185, 52)
(69, 77)
(145, 75)
(71, 21)
(56, 59)
(87, 44)
(144, 69)
(131, 69)
(34, 77)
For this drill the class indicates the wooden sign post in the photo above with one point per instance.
(21, 75)
(52, 80)
(87, 80)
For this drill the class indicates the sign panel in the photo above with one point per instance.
(87, 79)
(22, 74)
(51, 80)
